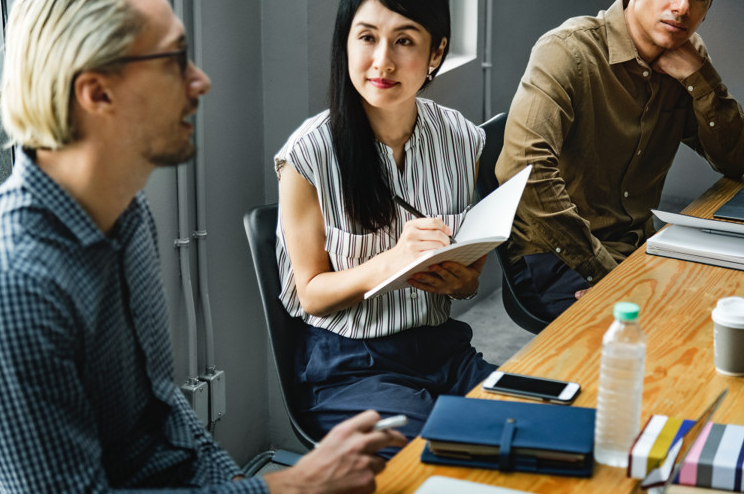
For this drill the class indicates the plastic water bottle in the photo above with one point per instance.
(620, 387)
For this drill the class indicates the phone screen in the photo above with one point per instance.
(531, 387)
(523, 383)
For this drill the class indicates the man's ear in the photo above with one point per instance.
(92, 92)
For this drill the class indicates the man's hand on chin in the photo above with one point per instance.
(679, 63)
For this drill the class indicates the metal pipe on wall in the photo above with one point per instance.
(488, 62)
(182, 243)
(201, 212)
(196, 391)
(214, 378)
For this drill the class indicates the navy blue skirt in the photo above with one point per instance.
(401, 373)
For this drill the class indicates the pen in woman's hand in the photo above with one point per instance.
(418, 214)
(408, 207)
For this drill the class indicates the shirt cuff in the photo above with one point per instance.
(702, 82)
(597, 267)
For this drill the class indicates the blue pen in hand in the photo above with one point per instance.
(402, 203)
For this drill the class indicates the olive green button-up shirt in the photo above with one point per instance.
(601, 129)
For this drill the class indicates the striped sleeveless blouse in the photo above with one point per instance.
(438, 180)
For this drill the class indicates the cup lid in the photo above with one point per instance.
(730, 312)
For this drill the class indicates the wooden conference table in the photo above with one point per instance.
(676, 299)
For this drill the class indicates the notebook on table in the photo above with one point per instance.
(446, 485)
(714, 242)
(674, 465)
(733, 209)
(510, 435)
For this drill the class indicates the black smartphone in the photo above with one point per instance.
(537, 388)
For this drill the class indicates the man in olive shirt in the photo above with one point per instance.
(600, 112)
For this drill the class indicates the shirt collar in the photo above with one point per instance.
(416, 134)
(59, 203)
(620, 44)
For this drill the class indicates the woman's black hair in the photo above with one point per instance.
(364, 180)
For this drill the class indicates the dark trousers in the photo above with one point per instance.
(401, 373)
(545, 285)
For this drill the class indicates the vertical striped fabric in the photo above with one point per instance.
(715, 459)
(438, 180)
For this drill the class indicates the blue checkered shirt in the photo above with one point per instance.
(87, 397)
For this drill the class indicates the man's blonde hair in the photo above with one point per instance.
(48, 43)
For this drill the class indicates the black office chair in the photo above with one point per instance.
(485, 184)
(260, 227)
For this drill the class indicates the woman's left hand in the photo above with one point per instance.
(450, 278)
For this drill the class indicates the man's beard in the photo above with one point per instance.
(185, 153)
(175, 158)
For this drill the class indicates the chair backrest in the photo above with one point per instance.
(260, 227)
(485, 184)
(486, 181)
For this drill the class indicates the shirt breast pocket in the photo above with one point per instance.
(454, 221)
(347, 250)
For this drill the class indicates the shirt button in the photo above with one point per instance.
(712, 124)
(589, 278)
(625, 193)
(558, 250)
(414, 295)
(639, 152)
(645, 73)
(690, 88)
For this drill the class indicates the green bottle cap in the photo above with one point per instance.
(626, 311)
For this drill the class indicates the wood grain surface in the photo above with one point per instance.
(676, 299)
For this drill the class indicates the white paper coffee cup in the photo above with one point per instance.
(728, 336)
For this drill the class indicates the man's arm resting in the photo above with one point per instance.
(719, 129)
(540, 118)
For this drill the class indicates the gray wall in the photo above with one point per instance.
(6, 155)
(228, 35)
(519, 24)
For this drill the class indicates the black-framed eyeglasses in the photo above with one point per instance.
(181, 56)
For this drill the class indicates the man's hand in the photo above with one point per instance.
(679, 63)
(343, 462)
(581, 293)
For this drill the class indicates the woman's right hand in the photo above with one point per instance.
(419, 236)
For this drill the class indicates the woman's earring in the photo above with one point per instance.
(429, 76)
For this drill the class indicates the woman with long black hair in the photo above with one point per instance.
(341, 233)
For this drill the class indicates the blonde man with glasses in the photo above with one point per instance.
(600, 112)
(97, 94)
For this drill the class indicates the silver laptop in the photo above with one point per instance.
(446, 485)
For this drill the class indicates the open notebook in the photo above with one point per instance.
(485, 227)
(446, 485)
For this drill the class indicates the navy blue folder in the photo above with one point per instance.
(508, 435)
